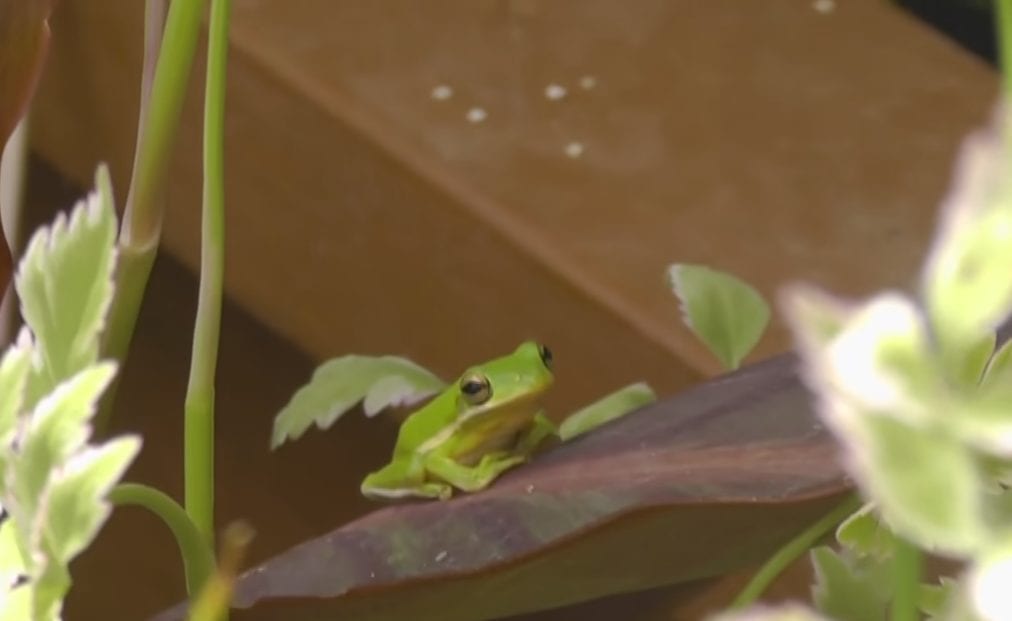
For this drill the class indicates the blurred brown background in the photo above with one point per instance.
(780, 140)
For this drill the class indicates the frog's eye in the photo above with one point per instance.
(475, 388)
(546, 356)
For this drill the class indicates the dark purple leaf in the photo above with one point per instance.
(695, 486)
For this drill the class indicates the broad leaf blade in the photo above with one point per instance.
(864, 534)
(691, 487)
(65, 284)
(609, 407)
(12, 564)
(727, 314)
(965, 280)
(846, 590)
(340, 384)
(58, 428)
(879, 389)
(14, 367)
(16, 605)
(77, 505)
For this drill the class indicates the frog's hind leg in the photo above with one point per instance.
(468, 478)
(397, 481)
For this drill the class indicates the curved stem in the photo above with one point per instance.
(199, 407)
(198, 558)
(792, 550)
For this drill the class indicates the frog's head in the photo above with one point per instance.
(508, 386)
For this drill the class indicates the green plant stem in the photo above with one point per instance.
(198, 557)
(142, 218)
(792, 550)
(1004, 24)
(199, 415)
(907, 561)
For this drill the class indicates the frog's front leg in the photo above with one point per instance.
(540, 430)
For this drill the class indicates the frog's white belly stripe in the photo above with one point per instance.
(385, 492)
(438, 439)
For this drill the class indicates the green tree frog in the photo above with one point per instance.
(482, 425)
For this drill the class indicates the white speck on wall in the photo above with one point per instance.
(442, 92)
(441, 556)
(588, 82)
(574, 149)
(477, 115)
(824, 6)
(555, 92)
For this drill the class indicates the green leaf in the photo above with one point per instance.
(77, 506)
(56, 485)
(876, 358)
(14, 367)
(927, 483)
(935, 599)
(338, 385)
(965, 281)
(609, 407)
(16, 604)
(728, 315)
(65, 285)
(56, 430)
(12, 564)
(863, 534)
(848, 590)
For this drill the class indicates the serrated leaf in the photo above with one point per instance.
(965, 280)
(58, 425)
(864, 534)
(77, 506)
(65, 284)
(846, 590)
(727, 314)
(14, 367)
(878, 359)
(926, 483)
(879, 389)
(57, 428)
(609, 407)
(396, 391)
(338, 385)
